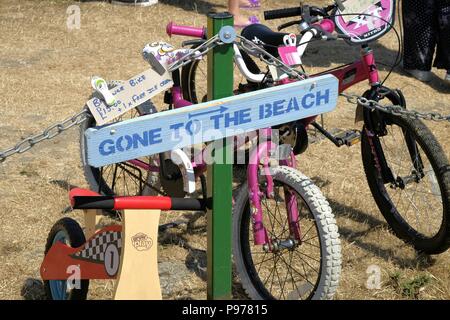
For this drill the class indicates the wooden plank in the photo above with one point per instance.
(91, 219)
(210, 121)
(138, 276)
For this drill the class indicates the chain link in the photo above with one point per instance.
(49, 133)
(253, 49)
(395, 110)
(200, 51)
(58, 128)
(249, 47)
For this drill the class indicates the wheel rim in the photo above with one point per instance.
(418, 204)
(124, 179)
(58, 288)
(290, 274)
(198, 81)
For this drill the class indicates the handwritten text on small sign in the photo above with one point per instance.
(129, 95)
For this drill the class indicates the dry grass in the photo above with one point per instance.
(45, 72)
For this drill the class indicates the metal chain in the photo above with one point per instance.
(58, 128)
(249, 47)
(200, 51)
(49, 133)
(395, 110)
(253, 49)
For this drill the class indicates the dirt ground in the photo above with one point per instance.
(45, 72)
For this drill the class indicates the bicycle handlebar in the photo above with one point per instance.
(298, 11)
(173, 29)
(282, 13)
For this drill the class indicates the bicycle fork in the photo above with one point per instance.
(375, 127)
(260, 157)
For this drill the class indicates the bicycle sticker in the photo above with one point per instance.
(372, 19)
(112, 259)
(289, 53)
(357, 6)
(141, 242)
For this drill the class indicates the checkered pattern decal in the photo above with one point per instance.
(94, 249)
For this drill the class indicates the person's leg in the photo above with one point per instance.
(419, 29)
(250, 4)
(239, 19)
(442, 60)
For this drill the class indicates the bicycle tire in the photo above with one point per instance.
(441, 168)
(75, 236)
(188, 73)
(324, 222)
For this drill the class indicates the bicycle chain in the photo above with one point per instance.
(249, 47)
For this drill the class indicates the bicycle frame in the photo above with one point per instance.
(348, 75)
(358, 71)
(259, 155)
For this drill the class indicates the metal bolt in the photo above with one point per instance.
(227, 35)
(113, 131)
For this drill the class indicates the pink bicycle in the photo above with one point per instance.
(285, 235)
(406, 168)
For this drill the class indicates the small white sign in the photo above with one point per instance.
(129, 95)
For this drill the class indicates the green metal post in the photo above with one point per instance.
(220, 85)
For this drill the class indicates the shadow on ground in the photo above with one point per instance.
(200, 6)
(419, 261)
(33, 289)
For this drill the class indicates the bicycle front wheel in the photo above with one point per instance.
(307, 267)
(413, 193)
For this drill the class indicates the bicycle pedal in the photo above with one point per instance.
(314, 136)
(349, 137)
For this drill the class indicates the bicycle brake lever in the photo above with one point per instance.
(288, 24)
(154, 63)
(192, 42)
(340, 5)
(343, 36)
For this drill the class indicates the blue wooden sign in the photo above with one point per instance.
(209, 121)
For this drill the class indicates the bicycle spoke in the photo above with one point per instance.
(306, 262)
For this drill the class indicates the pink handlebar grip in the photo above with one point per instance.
(327, 25)
(195, 32)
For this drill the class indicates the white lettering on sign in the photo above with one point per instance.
(209, 121)
(129, 95)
